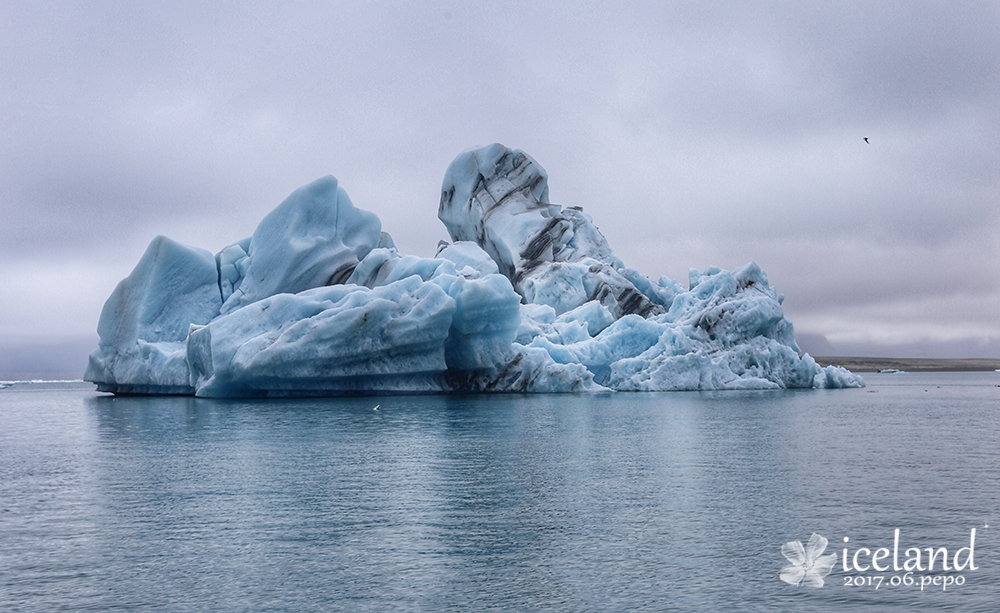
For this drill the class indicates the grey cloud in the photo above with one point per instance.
(694, 135)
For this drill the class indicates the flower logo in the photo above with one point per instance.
(808, 565)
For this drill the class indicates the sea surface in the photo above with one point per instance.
(610, 502)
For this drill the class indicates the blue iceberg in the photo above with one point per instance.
(529, 297)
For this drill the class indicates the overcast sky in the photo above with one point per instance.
(694, 133)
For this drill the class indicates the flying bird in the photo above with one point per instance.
(866, 141)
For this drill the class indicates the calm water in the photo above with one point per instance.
(647, 502)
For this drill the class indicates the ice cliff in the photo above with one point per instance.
(529, 297)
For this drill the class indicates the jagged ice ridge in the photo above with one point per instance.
(528, 298)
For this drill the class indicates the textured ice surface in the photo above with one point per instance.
(330, 339)
(529, 298)
(314, 238)
(144, 324)
(499, 199)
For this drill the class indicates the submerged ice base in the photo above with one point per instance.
(528, 298)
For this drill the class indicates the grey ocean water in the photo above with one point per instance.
(644, 502)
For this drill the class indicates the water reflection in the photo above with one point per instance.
(566, 502)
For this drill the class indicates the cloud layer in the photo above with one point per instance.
(694, 136)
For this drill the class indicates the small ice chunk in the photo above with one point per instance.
(468, 253)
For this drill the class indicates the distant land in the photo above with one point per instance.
(909, 364)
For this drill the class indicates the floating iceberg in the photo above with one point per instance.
(529, 298)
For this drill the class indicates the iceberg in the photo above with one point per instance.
(528, 297)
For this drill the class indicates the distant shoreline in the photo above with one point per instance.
(910, 364)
